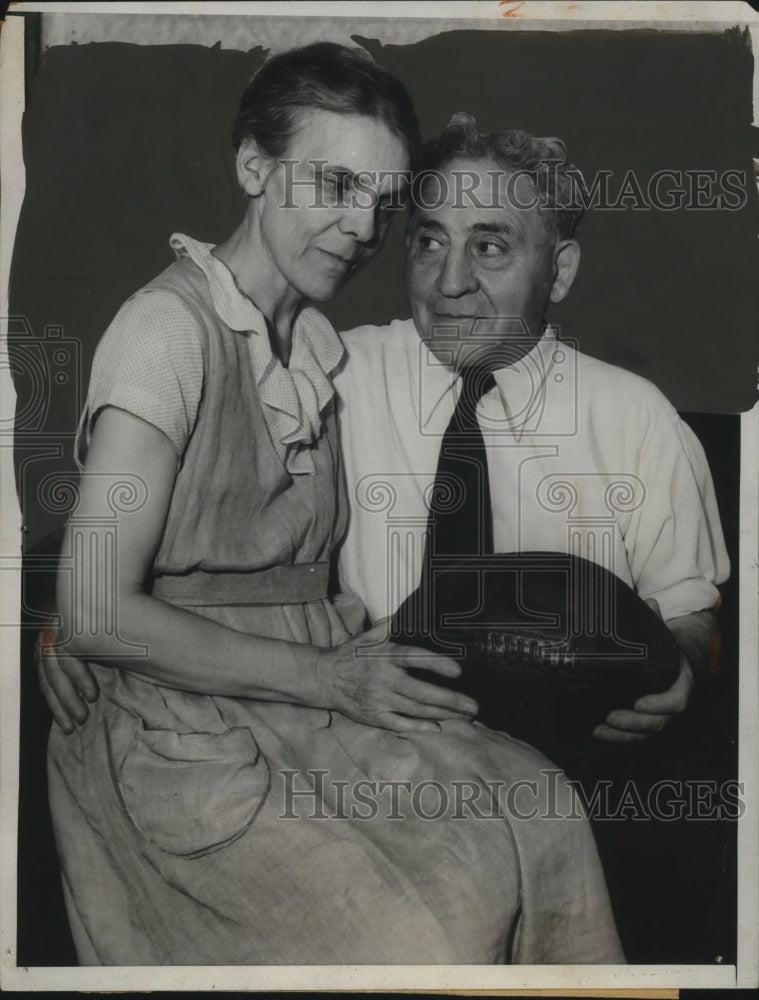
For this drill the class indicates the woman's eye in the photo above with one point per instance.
(336, 184)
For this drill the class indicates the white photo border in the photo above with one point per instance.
(498, 16)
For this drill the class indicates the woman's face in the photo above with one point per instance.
(327, 204)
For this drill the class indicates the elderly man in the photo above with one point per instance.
(583, 457)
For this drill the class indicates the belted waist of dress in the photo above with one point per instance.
(296, 584)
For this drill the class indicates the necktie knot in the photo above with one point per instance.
(475, 382)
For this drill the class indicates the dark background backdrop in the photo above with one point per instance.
(125, 144)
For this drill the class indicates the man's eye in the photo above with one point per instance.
(490, 248)
(429, 243)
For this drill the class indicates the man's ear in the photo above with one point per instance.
(253, 167)
(566, 261)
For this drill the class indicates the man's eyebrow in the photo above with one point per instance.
(423, 219)
(493, 227)
(498, 228)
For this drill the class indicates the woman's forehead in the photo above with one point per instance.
(357, 142)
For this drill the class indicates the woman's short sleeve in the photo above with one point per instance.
(149, 363)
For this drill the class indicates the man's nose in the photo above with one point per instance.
(456, 276)
(360, 223)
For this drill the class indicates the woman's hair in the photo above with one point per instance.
(546, 162)
(325, 77)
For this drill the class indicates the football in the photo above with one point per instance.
(549, 643)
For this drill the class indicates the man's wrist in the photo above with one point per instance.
(694, 635)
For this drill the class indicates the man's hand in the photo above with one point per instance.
(67, 683)
(653, 712)
(650, 714)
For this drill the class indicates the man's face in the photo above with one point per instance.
(317, 227)
(479, 278)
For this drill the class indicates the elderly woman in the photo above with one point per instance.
(251, 784)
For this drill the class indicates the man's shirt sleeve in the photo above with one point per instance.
(674, 541)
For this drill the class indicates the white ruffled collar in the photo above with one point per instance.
(292, 398)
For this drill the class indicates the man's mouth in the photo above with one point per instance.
(453, 319)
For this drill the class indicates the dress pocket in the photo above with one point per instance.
(193, 793)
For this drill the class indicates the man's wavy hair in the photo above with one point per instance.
(546, 162)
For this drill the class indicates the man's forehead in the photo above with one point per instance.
(478, 195)
(489, 174)
(474, 220)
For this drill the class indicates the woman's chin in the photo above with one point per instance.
(323, 291)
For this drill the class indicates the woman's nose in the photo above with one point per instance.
(360, 223)
(456, 276)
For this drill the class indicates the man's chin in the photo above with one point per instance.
(446, 352)
(479, 352)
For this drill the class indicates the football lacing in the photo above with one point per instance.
(516, 647)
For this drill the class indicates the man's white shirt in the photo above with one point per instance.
(583, 457)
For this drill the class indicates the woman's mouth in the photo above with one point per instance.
(337, 259)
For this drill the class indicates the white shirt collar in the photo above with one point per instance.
(521, 388)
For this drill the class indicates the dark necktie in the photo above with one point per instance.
(460, 520)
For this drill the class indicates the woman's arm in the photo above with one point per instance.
(187, 651)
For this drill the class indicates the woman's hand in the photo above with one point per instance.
(66, 683)
(367, 679)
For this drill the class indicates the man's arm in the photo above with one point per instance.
(695, 634)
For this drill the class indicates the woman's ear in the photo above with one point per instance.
(566, 261)
(253, 167)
